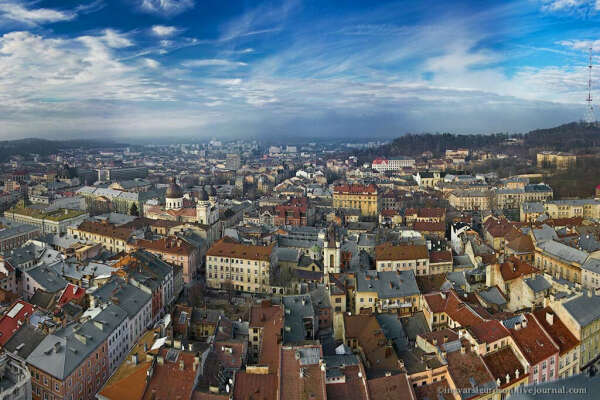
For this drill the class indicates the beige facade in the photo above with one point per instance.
(231, 265)
(470, 200)
(556, 159)
(586, 208)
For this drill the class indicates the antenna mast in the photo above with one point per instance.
(590, 118)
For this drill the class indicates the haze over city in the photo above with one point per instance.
(188, 68)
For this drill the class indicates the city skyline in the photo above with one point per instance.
(161, 68)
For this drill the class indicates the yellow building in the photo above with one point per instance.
(467, 200)
(389, 291)
(559, 160)
(362, 197)
(586, 208)
(560, 260)
(232, 265)
(581, 315)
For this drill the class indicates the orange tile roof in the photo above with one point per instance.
(270, 318)
(393, 387)
(355, 189)
(104, 229)
(293, 386)
(170, 245)
(169, 381)
(228, 247)
(387, 251)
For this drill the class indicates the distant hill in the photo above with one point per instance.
(567, 137)
(574, 136)
(44, 147)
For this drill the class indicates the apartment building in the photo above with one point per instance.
(232, 265)
(559, 160)
(176, 251)
(392, 164)
(15, 236)
(362, 197)
(71, 363)
(581, 315)
(386, 291)
(389, 257)
(112, 238)
(585, 208)
(470, 200)
(137, 303)
(56, 221)
(560, 260)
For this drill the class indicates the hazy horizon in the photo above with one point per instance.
(191, 69)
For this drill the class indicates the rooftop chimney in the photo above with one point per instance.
(550, 317)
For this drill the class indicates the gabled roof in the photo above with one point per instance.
(14, 318)
(558, 331)
(532, 341)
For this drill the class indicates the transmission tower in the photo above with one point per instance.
(590, 118)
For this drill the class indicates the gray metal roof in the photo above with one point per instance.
(592, 264)
(538, 283)
(130, 298)
(47, 278)
(59, 354)
(563, 252)
(387, 284)
(584, 309)
(297, 308)
(493, 296)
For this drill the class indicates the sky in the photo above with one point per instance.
(152, 69)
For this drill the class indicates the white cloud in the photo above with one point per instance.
(212, 62)
(583, 7)
(166, 7)
(115, 39)
(164, 31)
(151, 63)
(17, 12)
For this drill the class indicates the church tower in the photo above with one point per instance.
(332, 254)
(173, 196)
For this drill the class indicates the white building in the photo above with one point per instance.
(392, 164)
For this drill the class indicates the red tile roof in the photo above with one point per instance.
(489, 331)
(71, 293)
(423, 226)
(14, 318)
(393, 387)
(228, 247)
(387, 251)
(558, 331)
(354, 387)
(255, 386)
(533, 342)
(504, 362)
(299, 382)
(515, 268)
(440, 256)
(355, 189)
(464, 368)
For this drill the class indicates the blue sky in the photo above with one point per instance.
(292, 68)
